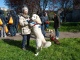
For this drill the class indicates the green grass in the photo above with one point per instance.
(68, 26)
(69, 49)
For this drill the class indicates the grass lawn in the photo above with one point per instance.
(69, 49)
(68, 26)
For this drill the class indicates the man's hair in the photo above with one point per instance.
(25, 7)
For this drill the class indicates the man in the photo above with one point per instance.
(60, 15)
(13, 27)
(56, 25)
(3, 19)
(42, 17)
(25, 30)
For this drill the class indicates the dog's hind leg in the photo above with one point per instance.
(39, 44)
(46, 44)
(37, 51)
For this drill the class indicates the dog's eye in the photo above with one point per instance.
(36, 17)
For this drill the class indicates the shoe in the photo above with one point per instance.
(57, 38)
(45, 36)
(23, 48)
(5, 36)
(28, 47)
(1, 36)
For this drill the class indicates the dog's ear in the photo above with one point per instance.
(38, 20)
(36, 16)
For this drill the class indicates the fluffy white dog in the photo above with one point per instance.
(40, 40)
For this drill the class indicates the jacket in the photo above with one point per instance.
(14, 17)
(23, 21)
(43, 20)
(2, 17)
(56, 22)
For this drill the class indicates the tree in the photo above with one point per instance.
(43, 4)
(33, 5)
(40, 5)
(66, 5)
(76, 4)
(14, 4)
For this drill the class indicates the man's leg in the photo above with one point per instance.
(24, 41)
(14, 31)
(28, 39)
(56, 33)
(43, 30)
(1, 31)
(4, 33)
(11, 30)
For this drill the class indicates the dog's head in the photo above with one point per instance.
(52, 37)
(36, 18)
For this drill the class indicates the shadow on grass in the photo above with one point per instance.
(18, 44)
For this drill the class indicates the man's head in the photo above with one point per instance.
(55, 14)
(25, 10)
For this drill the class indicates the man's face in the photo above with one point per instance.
(55, 15)
(25, 11)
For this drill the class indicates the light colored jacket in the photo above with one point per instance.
(24, 24)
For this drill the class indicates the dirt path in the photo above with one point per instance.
(62, 35)
(69, 35)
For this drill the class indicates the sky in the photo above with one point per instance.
(2, 4)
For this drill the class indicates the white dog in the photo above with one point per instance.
(40, 40)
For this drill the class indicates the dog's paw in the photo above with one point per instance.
(37, 54)
(47, 44)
